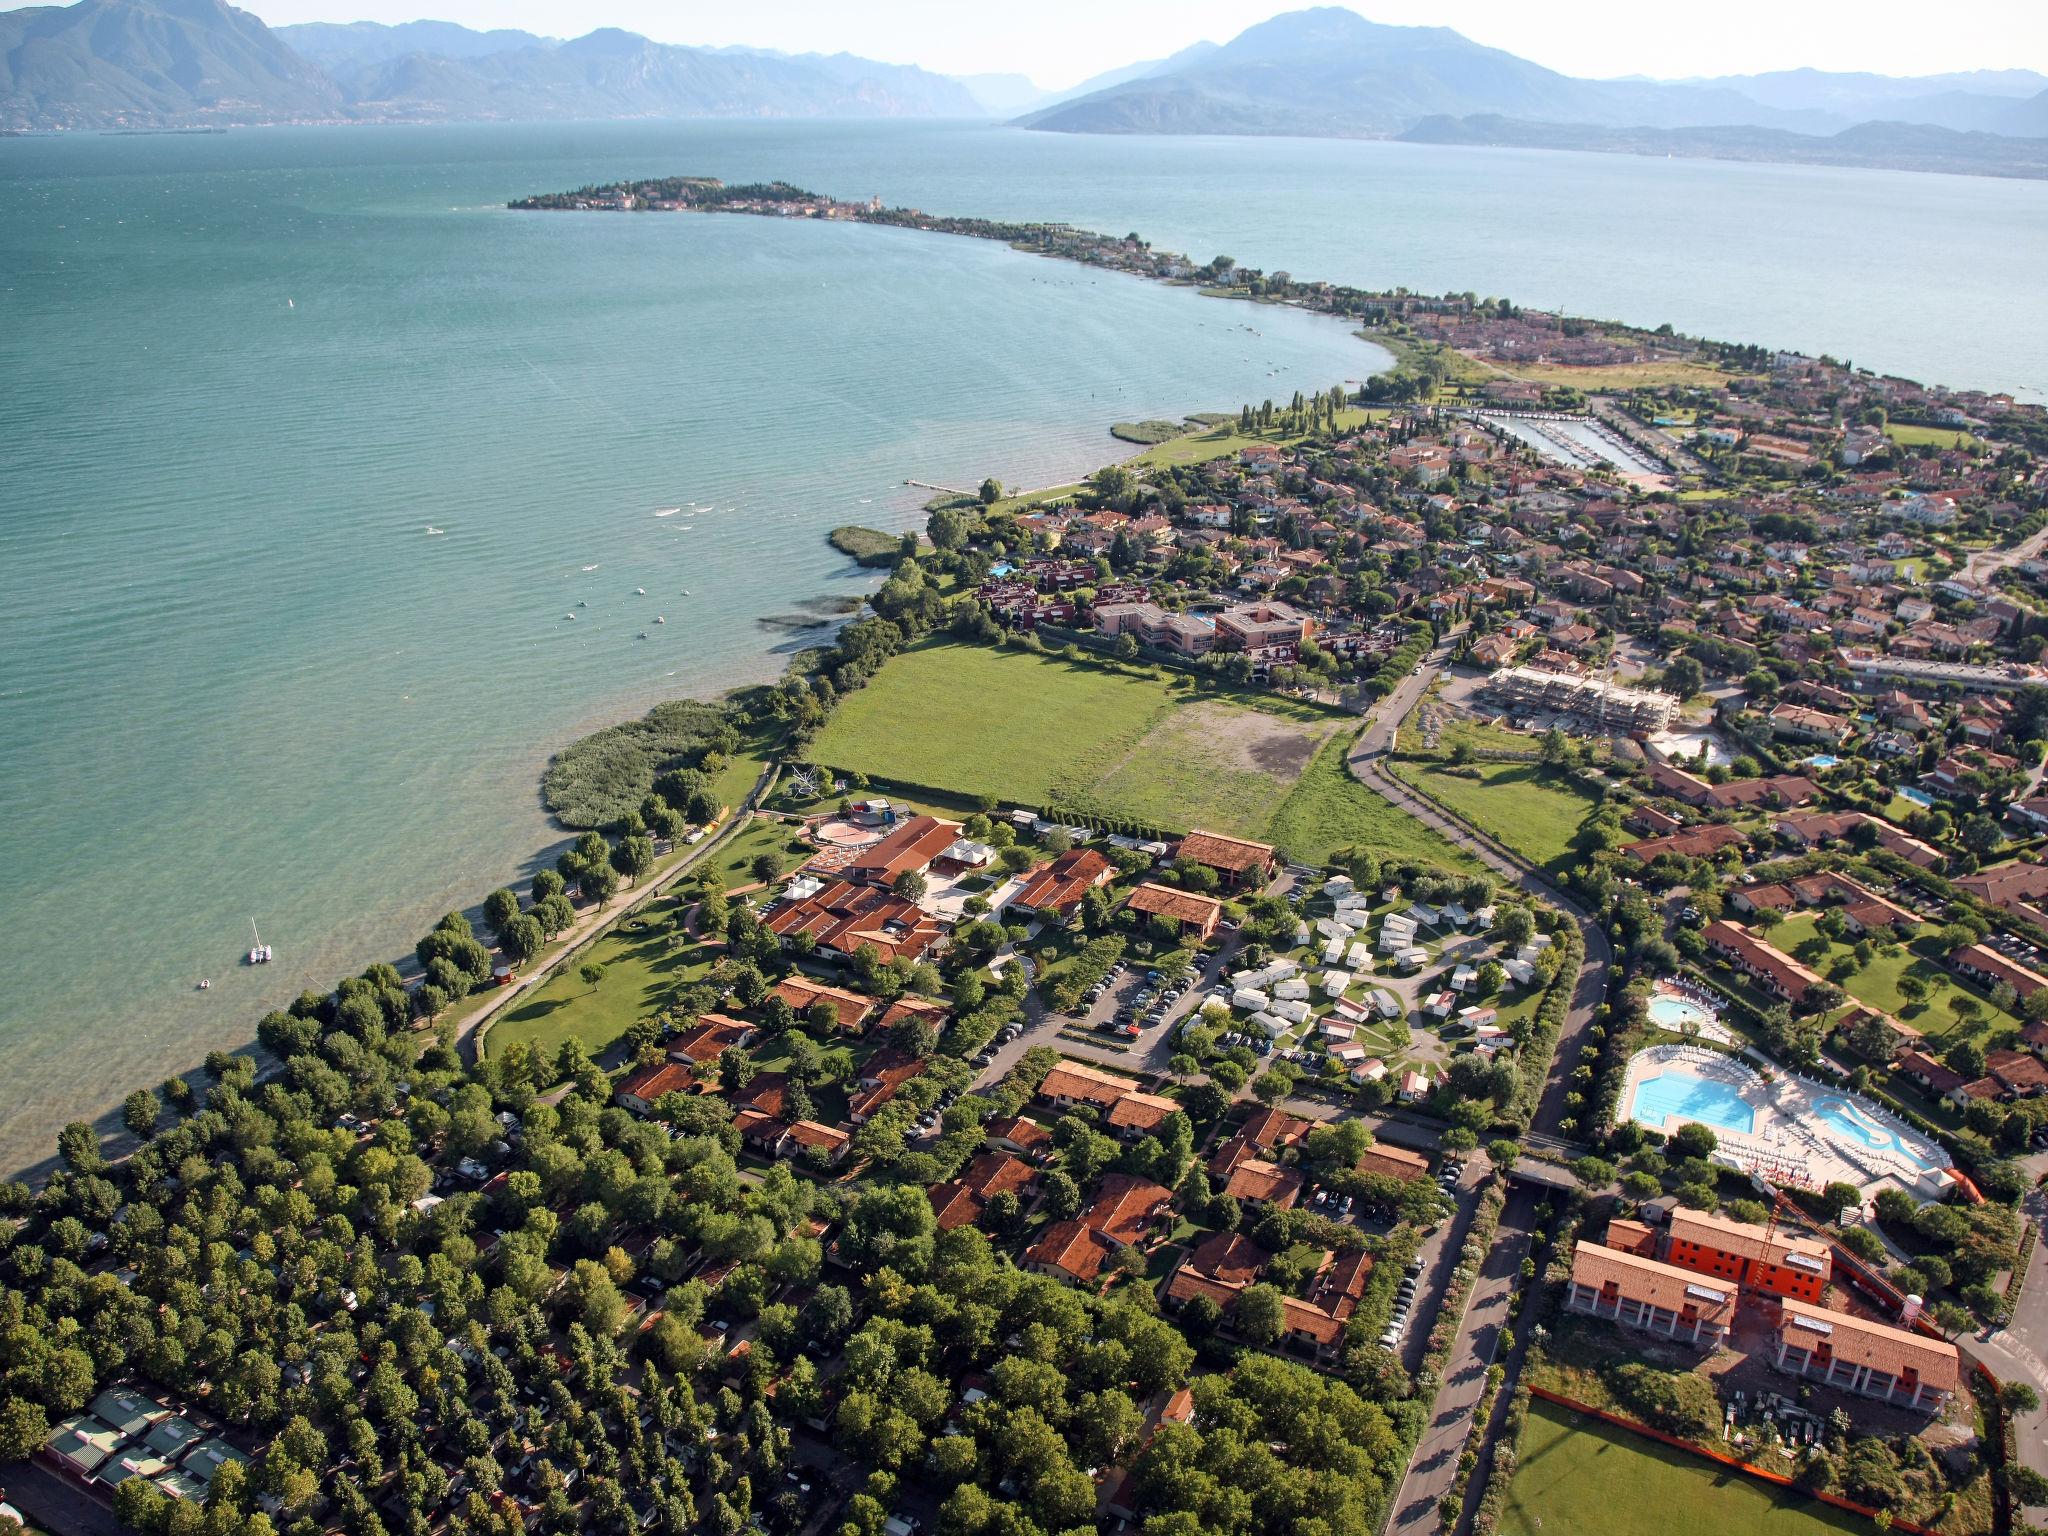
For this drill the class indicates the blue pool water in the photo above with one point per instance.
(1918, 796)
(1675, 1013)
(1668, 1100)
(1842, 1116)
(1823, 760)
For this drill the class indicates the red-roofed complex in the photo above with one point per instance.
(1056, 889)
(1235, 859)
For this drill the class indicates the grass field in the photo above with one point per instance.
(1524, 805)
(1587, 1477)
(1038, 731)
(1878, 985)
(1909, 436)
(1616, 375)
(641, 972)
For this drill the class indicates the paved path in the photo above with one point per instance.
(1435, 1463)
(1434, 1466)
(2019, 1351)
(1986, 563)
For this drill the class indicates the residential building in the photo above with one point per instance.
(1642, 1293)
(1236, 860)
(1874, 1359)
(1195, 916)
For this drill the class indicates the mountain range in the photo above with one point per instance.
(1323, 72)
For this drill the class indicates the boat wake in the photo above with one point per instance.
(667, 511)
(589, 568)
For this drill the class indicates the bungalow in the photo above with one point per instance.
(881, 1079)
(1642, 1293)
(1796, 722)
(960, 1202)
(850, 1010)
(1988, 968)
(1219, 1267)
(1693, 843)
(1242, 1173)
(1236, 860)
(1196, 917)
(911, 848)
(1765, 964)
(1937, 1079)
(1389, 1162)
(846, 916)
(1055, 890)
(639, 1089)
(809, 1136)
(1125, 1210)
(1013, 1133)
(1871, 1358)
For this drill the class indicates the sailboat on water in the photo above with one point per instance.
(259, 952)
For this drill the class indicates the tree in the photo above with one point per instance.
(1261, 1313)
(909, 884)
(634, 856)
(23, 1429)
(500, 907)
(523, 937)
(139, 1111)
(2019, 1397)
(1692, 1140)
(591, 972)
(1684, 677)
(991, 492)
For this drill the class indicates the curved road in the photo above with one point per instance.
(1434, 1466)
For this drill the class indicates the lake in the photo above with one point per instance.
(242, 376)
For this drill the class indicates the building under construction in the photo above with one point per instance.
(1603, 705)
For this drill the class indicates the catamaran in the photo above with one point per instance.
(259, 952)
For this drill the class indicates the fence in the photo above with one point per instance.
(1733, 1463)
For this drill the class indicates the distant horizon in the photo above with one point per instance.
(1063, 42)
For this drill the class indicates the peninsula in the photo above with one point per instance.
(1240, 995)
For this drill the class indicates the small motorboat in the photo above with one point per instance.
(659, 619)
(205, 985)
(639, 591)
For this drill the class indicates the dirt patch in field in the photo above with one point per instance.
(1245, 739)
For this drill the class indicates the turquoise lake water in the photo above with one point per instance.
(241, 376)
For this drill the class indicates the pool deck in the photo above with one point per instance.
(1792, 1140)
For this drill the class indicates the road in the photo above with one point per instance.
(1986, 563)
(56, 1505)
(2019, 1351)
(1434, 1466)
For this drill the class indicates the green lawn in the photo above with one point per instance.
(1907, 435)
(641, 972)
(1878, 985)
(1222, 441)
(1089, 739)
(1329, 810)
(1527, 806)
(1587, 1477)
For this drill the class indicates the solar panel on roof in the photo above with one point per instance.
(1813, 1325)
(1706, 1293)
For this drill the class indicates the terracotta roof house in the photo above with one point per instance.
(1269, 1127)
(1987, 967)
(1862, 1356)
(1139, 1114)
(845, 916)
(1236, 859)
(1253, 1178)
(639, 1089)
(1765, 964)
(908, 1007)
(1075, 1082)
(1196, 916)
(707, 1039)
(960, 1202)
(809, 1135)
(1056, 889)
(1016, 1134)
(1692, 843)
(1936, 1077)
(853, 1009)
(1390, 1162)
(908, 849)
(1075, 1250)
(1642, 1293)
(1220, 1267)
(881, 1079)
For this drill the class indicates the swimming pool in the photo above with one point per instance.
(1823, 760)
(1917, 796)
(1840, 1115)
(1678, 1014)
(1668, 1100)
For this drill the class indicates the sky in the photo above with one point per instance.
(1060, 42)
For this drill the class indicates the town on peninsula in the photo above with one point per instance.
(1310, 983)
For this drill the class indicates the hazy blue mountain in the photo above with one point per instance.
(1328, 72)
(331, 44)
(160, 63)
(150, 63)
(1145, 68)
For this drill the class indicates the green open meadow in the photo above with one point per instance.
(1529, 807)
(1089, 739)
(1878, 984)
(641, 971)
(1578, 1475)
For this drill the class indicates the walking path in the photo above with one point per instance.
(589, 925)
(1434, 1466)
